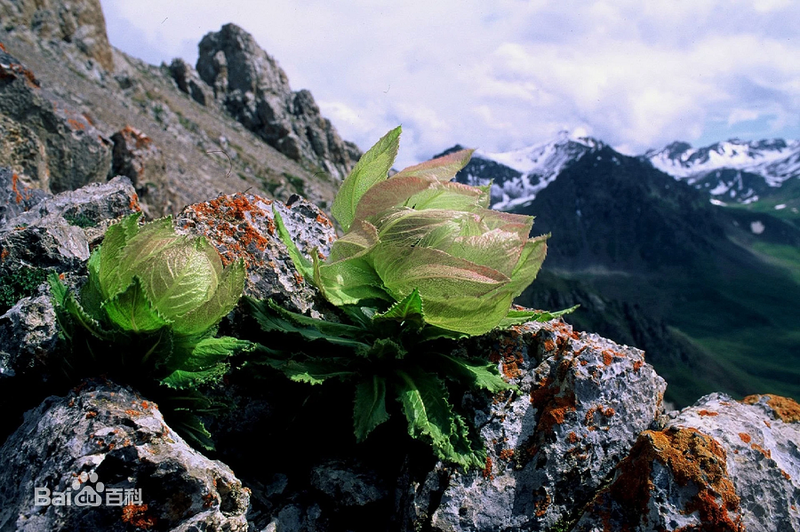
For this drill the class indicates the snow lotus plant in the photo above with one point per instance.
(422, 259)
(148, 315)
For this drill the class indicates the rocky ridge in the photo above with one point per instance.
(583, 444)
(75, 110)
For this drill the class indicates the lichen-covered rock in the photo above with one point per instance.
(15, 196)
(76, 153)
(243, 226)
(28, 334)
(581, 403)
(255, 91)
(719, 465)
(78, 22)
(23, 152)
(108, 453)
(85, 207)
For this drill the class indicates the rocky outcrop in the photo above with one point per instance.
(102, 458)
(255, 91)
(77, 22)
(581, 444)
(47, 144)
(189, 81)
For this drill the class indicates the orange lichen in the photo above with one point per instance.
(637, 365)
(136, 515)
(608, 357)
(785, 408)
(76, 124)
(133, 413)
(554, 407)
(766, 452)
(209, 500)
(572, 437)
(745, 437)
(487, 470)
(4, 252)
(707, 413)
(134, 203)
(509, 355)
(506, 454)
(549, 345)
(91, 414)
(541, 503)
(693, 458)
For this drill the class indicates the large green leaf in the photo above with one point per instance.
(132, 311)
(181, 379)
(372, 168)
(528, 265)
(442, 168)
(369, 409)
(182, 277)
(147, 242)
(223, 300)
(109, 266)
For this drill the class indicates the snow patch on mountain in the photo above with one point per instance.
(519, 175)
(775, 160)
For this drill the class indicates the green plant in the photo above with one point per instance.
(18, 284)
(423, 261)
(80, 220)
(148, 315)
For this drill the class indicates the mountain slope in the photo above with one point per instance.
(653, 263)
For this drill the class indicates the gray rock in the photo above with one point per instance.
(15, 197)
(24, 153)
(188, 80)
(581, 403)
(140, 160)
(255, 91)
(77, 22)
(718, 465)
(242, 226)
(97, 445)
(347, 483)
(28, 334)
(76, 153)
(89, 205)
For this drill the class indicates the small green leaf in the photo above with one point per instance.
(369, 409)
(316, 370)
(301, 263)
(186, 379)
(192, 430)
(518, 317)
(423, 398)
(479, 374)
(272, 317)
(408, 310)
(372, 168)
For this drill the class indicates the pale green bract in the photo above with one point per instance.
(148, 317)
(418, 230)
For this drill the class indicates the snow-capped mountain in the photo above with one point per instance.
(733, 170)
(521, 174)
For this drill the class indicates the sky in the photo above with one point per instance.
(505, 74)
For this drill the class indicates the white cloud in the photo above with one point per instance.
(502, 75)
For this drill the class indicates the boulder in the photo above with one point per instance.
(102, 458)
(138, 158)
(75, 152)
(720, 464)
(77, 22)
(15, 196)
(255, 90)
(581, 403)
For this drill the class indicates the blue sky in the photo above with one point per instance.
(506, 74)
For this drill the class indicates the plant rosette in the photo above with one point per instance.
(422, 259)
(148, 317)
